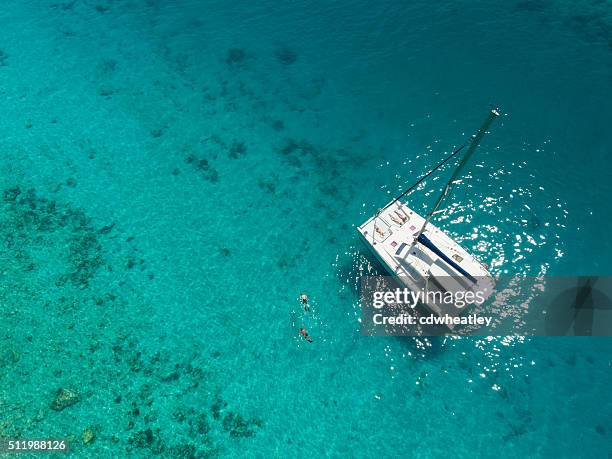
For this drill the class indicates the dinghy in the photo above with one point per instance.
(421, 256)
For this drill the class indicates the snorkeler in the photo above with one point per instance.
(304, 301)
(305, 334)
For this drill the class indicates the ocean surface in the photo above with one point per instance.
(173, 174)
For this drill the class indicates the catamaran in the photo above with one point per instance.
(420, 255)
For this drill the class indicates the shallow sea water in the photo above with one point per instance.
(174, 174)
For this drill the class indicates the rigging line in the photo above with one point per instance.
(417, 183)
(438, 166)
(474, 141)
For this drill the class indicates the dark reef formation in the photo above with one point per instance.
(186, 379)
(589, 20)
(203, 167)
(278, 125)
(331, 166)
(64, 398)
(28, 215)
(236, 57)
(39, 235)
(237, 149)
(285, 55)
(237, 426)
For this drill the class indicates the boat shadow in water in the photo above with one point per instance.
(351, 270)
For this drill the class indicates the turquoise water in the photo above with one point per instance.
(175, 174)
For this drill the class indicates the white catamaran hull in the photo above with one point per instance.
(391, 234)
(420, 255)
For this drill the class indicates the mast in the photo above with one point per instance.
(476, 138)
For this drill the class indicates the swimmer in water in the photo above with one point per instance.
(304, 301)
(305, 334)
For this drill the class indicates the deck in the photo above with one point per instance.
(390, 236)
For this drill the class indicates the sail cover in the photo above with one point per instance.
(431, 246)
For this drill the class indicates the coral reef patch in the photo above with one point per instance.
(285, 55)
(64, 398)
